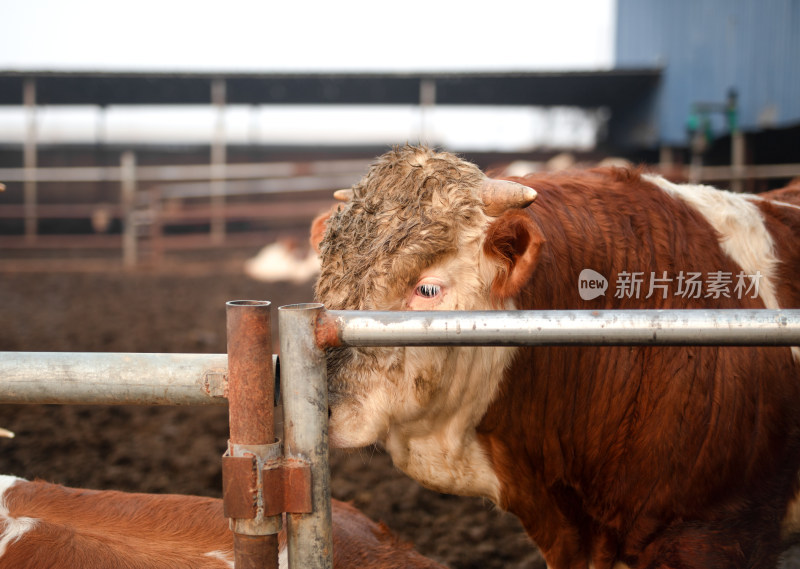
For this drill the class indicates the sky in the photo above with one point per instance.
(310, 36)
(342, 35)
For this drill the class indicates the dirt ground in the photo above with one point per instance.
(178, 449)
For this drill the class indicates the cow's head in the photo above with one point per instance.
(423, 230)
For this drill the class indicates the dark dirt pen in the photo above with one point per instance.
(179, 449)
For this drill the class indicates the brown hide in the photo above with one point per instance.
(86, 529)
(789, 194)
(676, 457)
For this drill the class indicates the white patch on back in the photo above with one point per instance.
(14, 528)
(224, 556)
(744, 235)
(227, 557)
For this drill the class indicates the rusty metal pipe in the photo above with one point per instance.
(254, 551)
(250, 391)
(252, 433)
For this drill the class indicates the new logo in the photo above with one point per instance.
(591, 284)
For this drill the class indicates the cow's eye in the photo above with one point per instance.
(428, 290)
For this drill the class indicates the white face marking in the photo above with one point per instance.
(425, 403)
(438, 446)
(14, 528)
(744, 235)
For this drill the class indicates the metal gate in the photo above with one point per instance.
(262, 480)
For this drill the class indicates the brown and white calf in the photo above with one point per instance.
(681, 457)
(45, 525)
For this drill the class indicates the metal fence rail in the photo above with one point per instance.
(95, 378)
(561, 327)
(112, 378)
(324, 329)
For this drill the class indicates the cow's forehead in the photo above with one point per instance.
(417, 174)
(406, 213)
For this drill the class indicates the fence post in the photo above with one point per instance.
(128, 203)
(30, 159)
(737, 161)
(305, 417)
(218, 160)
(252, 442)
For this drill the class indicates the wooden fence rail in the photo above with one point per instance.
(152, 198)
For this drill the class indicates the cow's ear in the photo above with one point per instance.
(514, 241)
(318, 227)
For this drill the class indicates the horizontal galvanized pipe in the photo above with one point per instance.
(557, 327)
(113, 378)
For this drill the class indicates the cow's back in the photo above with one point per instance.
(623, 440)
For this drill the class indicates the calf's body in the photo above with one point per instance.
(45, 526)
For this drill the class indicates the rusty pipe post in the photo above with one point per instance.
(252, 434)
(305, 429)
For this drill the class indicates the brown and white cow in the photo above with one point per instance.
(45, 525)
(681, 457)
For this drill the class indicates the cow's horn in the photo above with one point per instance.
(343, 195)
(500, 195)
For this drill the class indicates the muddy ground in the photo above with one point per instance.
(178, 449)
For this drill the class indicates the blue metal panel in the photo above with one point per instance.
(710, 46)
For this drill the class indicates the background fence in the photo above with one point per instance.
(179, 207)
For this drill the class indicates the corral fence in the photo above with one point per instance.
(179, 207)
(169, 207)
(264, 477)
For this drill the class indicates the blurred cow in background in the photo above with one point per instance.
(283, 260)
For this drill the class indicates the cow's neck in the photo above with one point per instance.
(439, 448)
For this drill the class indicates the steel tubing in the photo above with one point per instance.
(252, 432)
(112, 378)
(557, 327)
(97, 378)
(305, 415)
